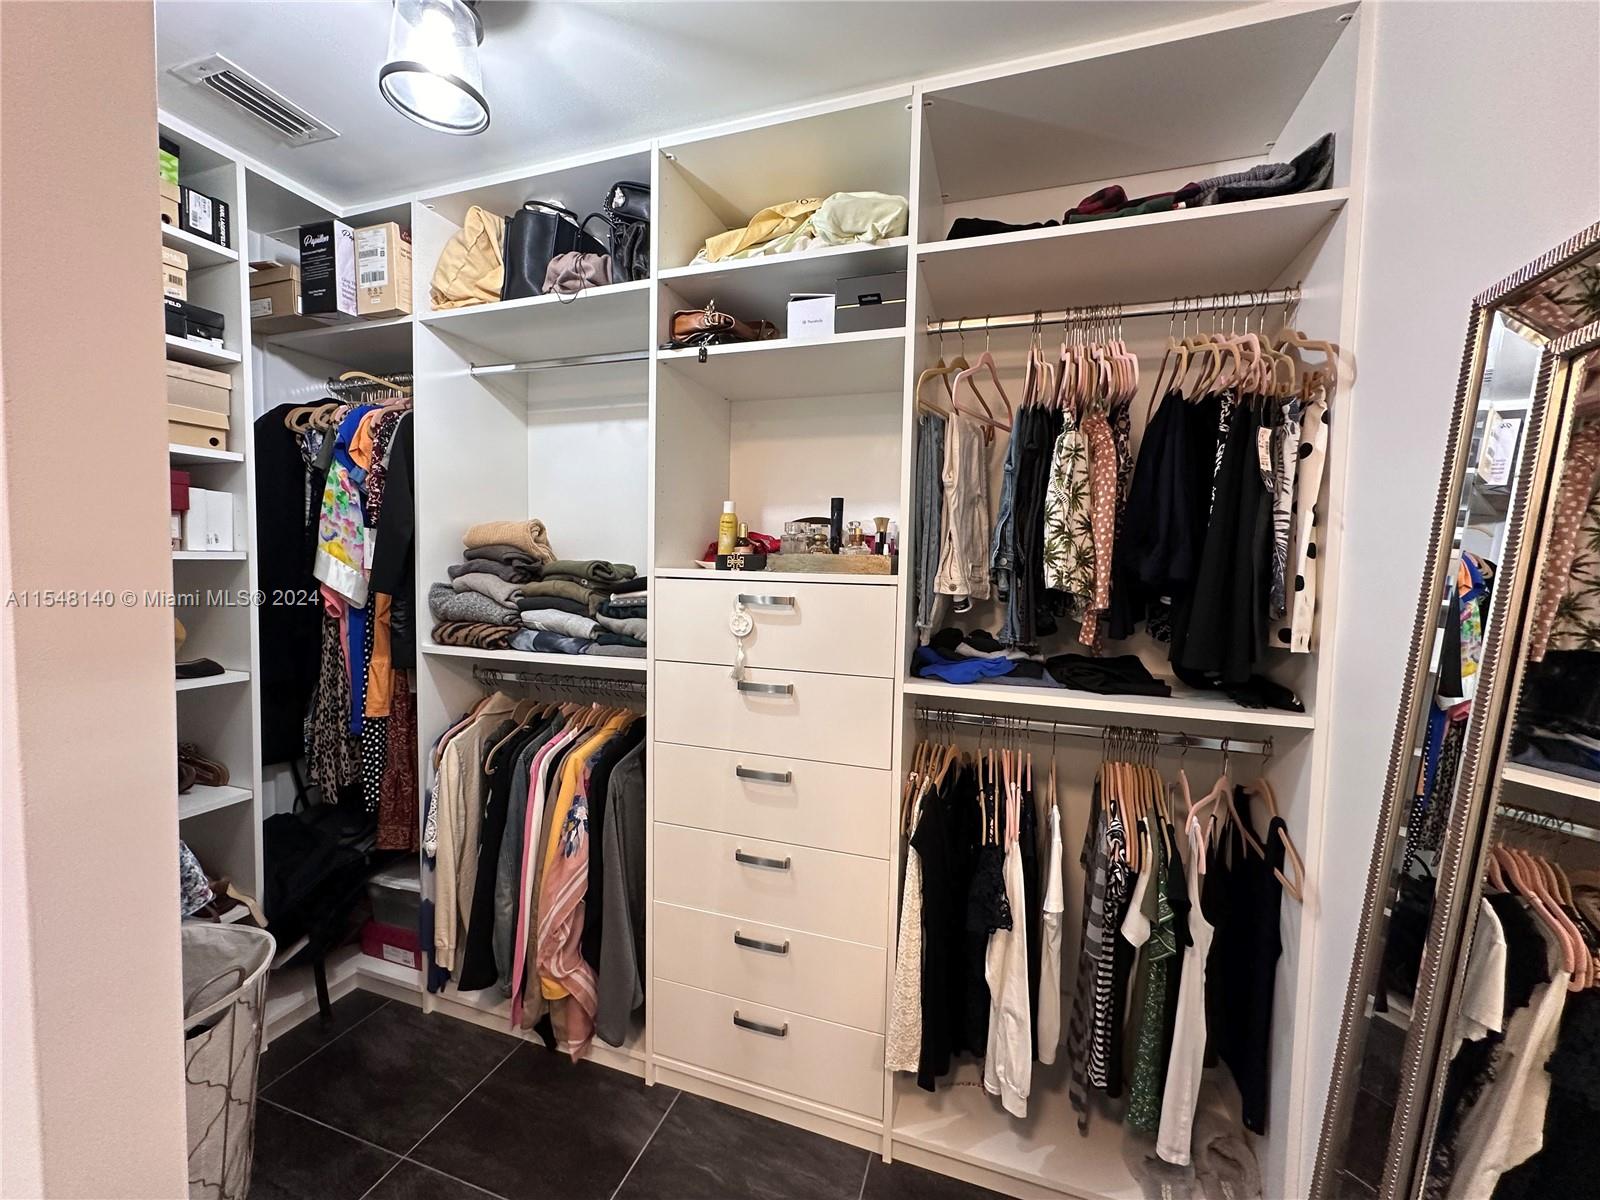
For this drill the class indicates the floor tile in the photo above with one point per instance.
(895, 1181)
(296, 1045)
(412, 1181)
(393, 1077)
(297, 1159)
(709, 1151)
(543, 1126)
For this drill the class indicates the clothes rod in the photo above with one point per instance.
(1534, 819)
(596, 685)
(937, 716)
(548, 364)
(1154, 308)
(349, 385)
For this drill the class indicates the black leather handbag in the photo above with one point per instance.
(536, 233)
(626, 212)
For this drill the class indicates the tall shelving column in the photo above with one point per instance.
(212, 591)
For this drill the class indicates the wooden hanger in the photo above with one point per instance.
(985, 361)
(1263, 790)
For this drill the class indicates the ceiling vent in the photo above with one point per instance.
(233, 83)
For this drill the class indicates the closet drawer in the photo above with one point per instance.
(834, 718)
(844, 628)
(781, 799)
(815, 891)
(812, 1059)
(821, 977)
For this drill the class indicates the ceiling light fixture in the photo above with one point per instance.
(432, 74)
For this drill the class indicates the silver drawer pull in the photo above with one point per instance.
(755, 860)
(766, 689)
(763, 776)
(760, 1027)
(739, 939)
(766, 601)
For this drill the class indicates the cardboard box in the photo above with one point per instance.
(174, 258)
(169, 211)
(199, 388)
(167, 160)
(196, 427)
(275, 307)
(174, 282)
(872, 302)
(328, 269)
(383, 265)
(810, 316)
(189, 415)
(265, 272)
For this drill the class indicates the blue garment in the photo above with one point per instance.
(542, 641)
(930, 664)
(356, 622)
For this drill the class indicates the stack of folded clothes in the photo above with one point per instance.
(978, 657)
(510, 591)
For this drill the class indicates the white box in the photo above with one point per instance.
(810, 316)
(195, 521)
(219, 519)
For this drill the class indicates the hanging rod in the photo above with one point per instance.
(547, 364)
(1153, 308)
(592, 685)
(1534, 819)
(1187, 741)
(403, 379)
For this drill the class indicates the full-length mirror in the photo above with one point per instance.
(1472, 912)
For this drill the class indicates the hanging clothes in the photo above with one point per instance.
(963, 571)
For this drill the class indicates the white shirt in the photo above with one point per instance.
(1008, 1065)
(1187, 1058)
(1483, 994)
(1049, 1023)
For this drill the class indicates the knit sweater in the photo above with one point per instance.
(447, 604)
(527, 536)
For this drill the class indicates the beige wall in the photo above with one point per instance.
(92, 1050)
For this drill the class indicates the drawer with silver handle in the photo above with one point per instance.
(779, 799)
(835, 980)
(832, 718)
(839, 628)
(770, 1046)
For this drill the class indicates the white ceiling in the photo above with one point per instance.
(564, 78)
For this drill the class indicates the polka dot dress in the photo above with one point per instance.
(1295, 633)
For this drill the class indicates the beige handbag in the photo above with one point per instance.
(471, 266)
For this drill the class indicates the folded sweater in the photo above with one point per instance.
(629, 586)
(595, 570)
(635, 627)
(499, 552)
(492, 566)
(543, 641)
(616, 651)
(501, 591)
(527, 536)
(626, 606)
(447, 604)
(472, 633)
(565, 588)
(552, 621)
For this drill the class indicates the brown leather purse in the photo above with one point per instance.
(708, 327)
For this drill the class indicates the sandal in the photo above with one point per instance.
(185, 777)
(207, 771)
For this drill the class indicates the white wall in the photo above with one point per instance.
(1485, 153)
(92, 1053)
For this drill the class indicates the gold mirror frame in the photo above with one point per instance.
(1471, 807)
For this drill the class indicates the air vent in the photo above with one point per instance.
(233, 83)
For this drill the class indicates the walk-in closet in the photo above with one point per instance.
(801, 600)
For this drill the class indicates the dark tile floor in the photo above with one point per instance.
(382, 1103)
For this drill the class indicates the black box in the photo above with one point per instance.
(204, 216)
(190, 320)
(870, 302)
(328, 270)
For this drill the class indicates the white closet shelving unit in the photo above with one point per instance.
(630, 461)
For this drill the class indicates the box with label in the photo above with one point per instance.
(872, 302)
(383, 268)
(204, 216)
(167, 159)
(199, 387)
(176, 259)
(196, 427)
(810, 316)
(187, 320)
(328, 269)
(174, 282)
(392, 943)
(208, 525)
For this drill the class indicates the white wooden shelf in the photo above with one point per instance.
(606, 320)
(846, 364)
(756, 577)
(203, 799)
(202, 454)
(962, 1121)
(760, 287)
(202, 253)
(606, 664)
(208, 556)
(1183, 705)
(211, 681)
(200, 354)
(1126, 260)
(379, 346)
(1552, 782)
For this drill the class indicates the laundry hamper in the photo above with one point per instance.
(224, 1005)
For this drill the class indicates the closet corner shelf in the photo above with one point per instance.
(846, 364)
(757, 577)
(1192, 251)
(202, 799)
(202, 454)
(200, 354)
(208, 556)
(381, 345)
(597, 663)
(202, 253)
(1552, 782)
(211, 681)
(1183, 705)
(603, 320)
(752, 285)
